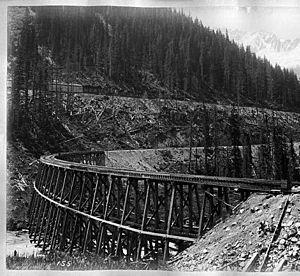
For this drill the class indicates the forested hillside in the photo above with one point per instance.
(131, 45)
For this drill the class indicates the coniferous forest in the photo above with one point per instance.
(124, 44)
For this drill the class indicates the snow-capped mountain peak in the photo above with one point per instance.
(263, 40)
(286, 53)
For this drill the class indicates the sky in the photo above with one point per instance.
(281, 17)
(262, 3)
(284, 22)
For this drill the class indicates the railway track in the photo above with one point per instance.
(89, 164)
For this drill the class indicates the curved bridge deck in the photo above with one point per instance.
(79, 204)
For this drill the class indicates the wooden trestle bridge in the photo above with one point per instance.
(79, 204)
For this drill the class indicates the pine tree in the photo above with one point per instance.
(247, 157)
(235, 134)
(207, 142)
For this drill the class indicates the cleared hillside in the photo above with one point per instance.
(107, 122)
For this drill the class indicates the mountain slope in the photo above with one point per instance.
(127, 44)
(231, 244)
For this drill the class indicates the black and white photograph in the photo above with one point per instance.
(152, 136)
